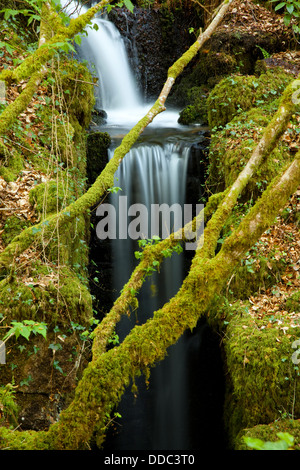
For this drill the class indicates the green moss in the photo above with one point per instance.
(196, 111)
(262, 378)
(208, 70)
(53, 296)
(97, 156)
(12, 167)
(12, 227)
(76, 83)
(49, 197)
(57, 130)
(68, 242)
(30, 440)
(8, 406)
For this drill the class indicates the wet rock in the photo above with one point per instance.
(99, 117)
(154, 40)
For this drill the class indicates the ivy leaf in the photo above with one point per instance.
(129, 5)
(290, 8)
(280, 5)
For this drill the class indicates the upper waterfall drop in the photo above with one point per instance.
(117, 93)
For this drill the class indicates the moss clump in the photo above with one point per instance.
(53, 296)
(11, 167)
(196, 111)
(9, 408)
(97, 156)
(13, 226)
(262, 378)
(256, 274)
(239, 93)
(49, 197)
(231, 148)
(268, 432)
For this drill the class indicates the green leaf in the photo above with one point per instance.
(286, 437)
(278, 445)
(290, 8)
(129, 5)
(8, 13)
(280, 5)
(77, 39)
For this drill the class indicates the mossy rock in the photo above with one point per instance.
(76, 83)
(59, 135)
(11, 166)
(212, 64)
(262, 380)
(58, 298)
(70, 243)
(268, 433)
(52, 296)
(238, 93)
(49, 197)
(196, 111)
(292, 304)
(205, 73)
(255, 275)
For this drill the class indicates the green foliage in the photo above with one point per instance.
(32, 14)
(285, 443)
(291, 10)
(25, 328)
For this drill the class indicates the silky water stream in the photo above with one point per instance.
(181, 409)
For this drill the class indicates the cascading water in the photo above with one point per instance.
(153, 172)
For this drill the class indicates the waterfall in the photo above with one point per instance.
(153, 172)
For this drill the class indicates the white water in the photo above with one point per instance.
(154, 174)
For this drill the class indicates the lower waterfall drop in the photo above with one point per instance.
(154, 174)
